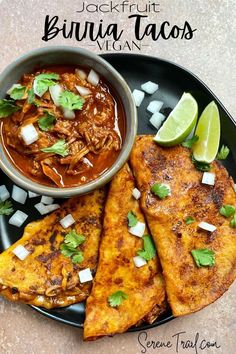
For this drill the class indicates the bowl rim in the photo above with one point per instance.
(105, 177)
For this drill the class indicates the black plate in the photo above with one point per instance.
(173, 80)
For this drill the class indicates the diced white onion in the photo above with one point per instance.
(138, 229)
(154, 106)
(81, 73)
(136, 193)
(53, 207)
(208, 227)
(29, 134)
(208, 178)
(83, 91)
(138, 97)
(12, 88)
(55, 92)
(93, 77)
(32, 194)
(156, 119)
(47, 200)
(68, 113)
(235, 188)
(85, 275)
(149, 87)
(139, 261)
(41, 93)
(19, 195)
(42, 209)
(4, 194)
(67, 221)
(21, 252)
(18, 218)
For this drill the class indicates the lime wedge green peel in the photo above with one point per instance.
(208, 131)
(179, 123)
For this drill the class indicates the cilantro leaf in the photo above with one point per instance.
(160, 190)
(132, 219)
(6, 208)
(43, 81)
(201, 166)
(70, 100)
(45, 123)
(190, 142)
(72, 239)
(78, 257)
(117, 298)
(203, 257)
(59, 148)
(233, 222)
(223, 153)
(7, 107)
(227, 210)
(189, 220)
(31, 97)
(17, 92)
(66, 250)
(149, 250)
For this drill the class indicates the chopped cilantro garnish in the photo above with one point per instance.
(160, 190)
(117, 298)
(201, 166)
(132, 219)
(189, 220)
(223, 153)
(233, 221)
(69, 247)
(190, 142)
(6, 208)
(203, 257)
(70, 100)
(7, 107)
(227, 210)
(46, 121)
(43, 81)
(59, 148)
(72, 239)
(17, 92)
(149, 250)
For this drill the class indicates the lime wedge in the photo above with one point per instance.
(208, 131)
(179, 123)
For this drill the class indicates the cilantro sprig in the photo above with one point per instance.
(6, 208)
(59, 148)
(160, 190)
(46, 122)
(117, 298)
(203, 257)
(132, 219)
(43, 81)
(227, 210)
(7, 107)
(70, 100)
(189, 220)
(233, 221)
(17, 92)
(201, 166)
(69, 247)
(223, 153)
(190, 142)
(149, 251)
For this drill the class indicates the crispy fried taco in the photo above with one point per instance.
(196, 244)
(128, 286)
(42, 268)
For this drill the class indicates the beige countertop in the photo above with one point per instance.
(211, 56)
